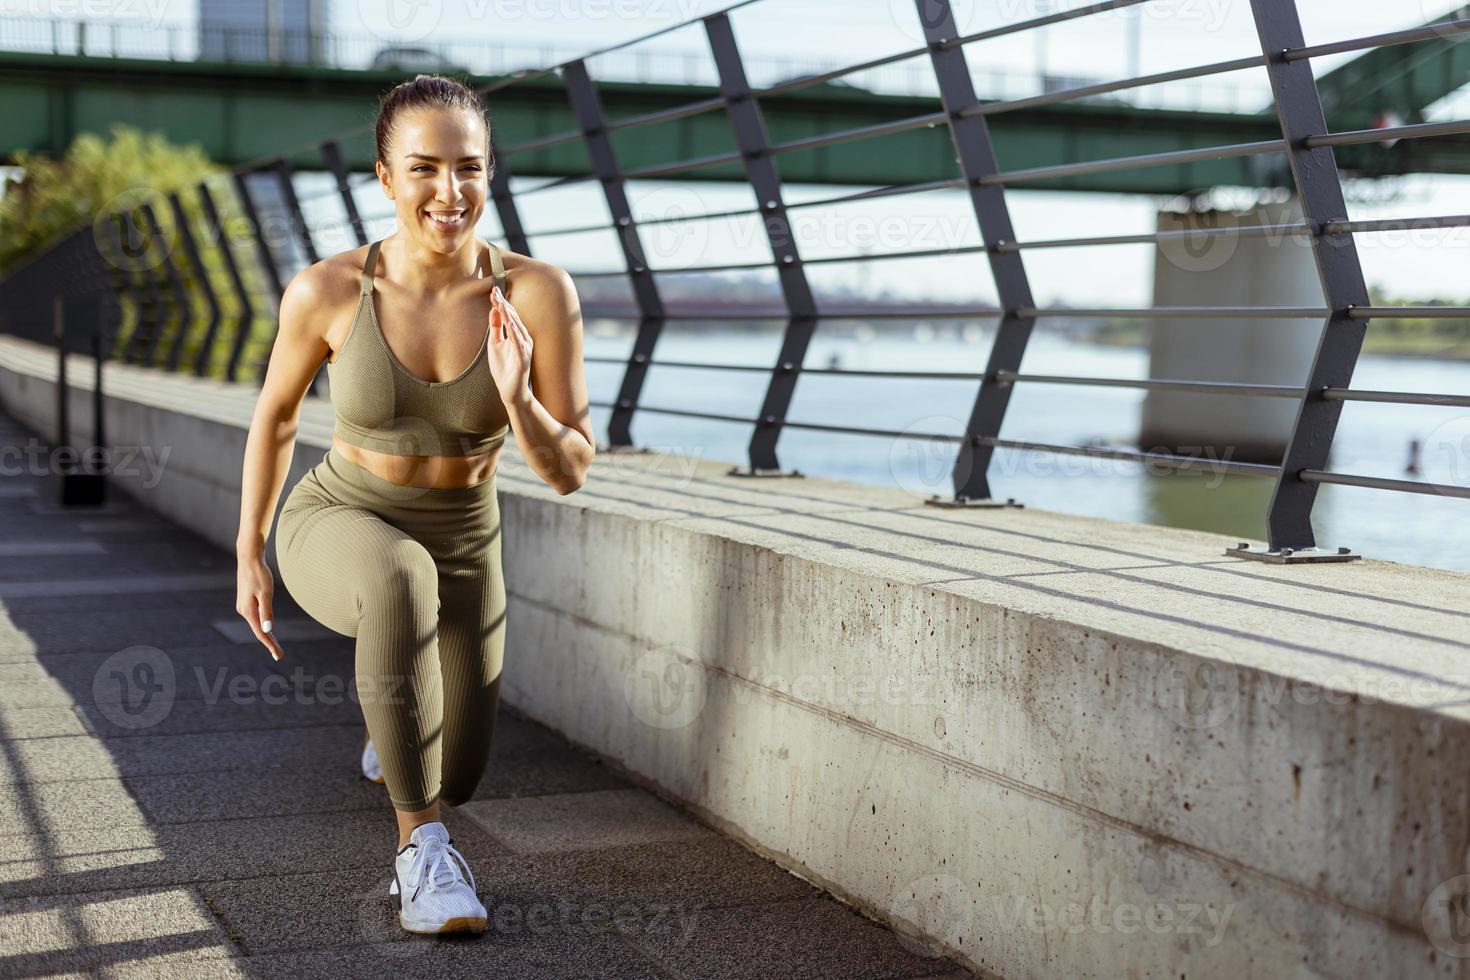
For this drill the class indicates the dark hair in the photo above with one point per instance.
(426, 92)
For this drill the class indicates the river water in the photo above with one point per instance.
(1372, 439)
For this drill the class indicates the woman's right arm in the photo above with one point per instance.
(296, 355)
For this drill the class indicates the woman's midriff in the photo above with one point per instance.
(437, 472)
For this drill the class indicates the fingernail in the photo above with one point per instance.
(265, 624)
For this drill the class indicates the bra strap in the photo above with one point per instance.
(369, 267)
(497, 265)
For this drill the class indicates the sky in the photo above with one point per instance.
(777, 35)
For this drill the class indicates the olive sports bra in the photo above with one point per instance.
(381, 406)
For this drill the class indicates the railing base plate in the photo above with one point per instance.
(935, 500)
(752, 471)
(1290, 556)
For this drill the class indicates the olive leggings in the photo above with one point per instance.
(414, 574)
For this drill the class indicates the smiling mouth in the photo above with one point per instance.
(449, 218)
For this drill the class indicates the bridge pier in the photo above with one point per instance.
(1221, 266)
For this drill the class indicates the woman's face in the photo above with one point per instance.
(438, 177)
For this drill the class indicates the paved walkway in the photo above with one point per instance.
(173, 802)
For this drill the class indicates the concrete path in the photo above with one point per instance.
(174, 803)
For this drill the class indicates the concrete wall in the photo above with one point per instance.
(1053, 746)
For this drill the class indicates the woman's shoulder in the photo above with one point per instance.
(533, 275)
(328, 282)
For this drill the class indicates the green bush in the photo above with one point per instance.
(98, 176)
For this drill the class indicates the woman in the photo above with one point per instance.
(394, 536)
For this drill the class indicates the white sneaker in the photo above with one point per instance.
(433, 887)
(370, 768)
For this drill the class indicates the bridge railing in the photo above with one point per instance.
(1305, 140)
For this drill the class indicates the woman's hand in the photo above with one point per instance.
(254, 589)
(509, 349)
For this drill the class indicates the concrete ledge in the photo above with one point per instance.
(1051, 745)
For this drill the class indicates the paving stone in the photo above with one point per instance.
(55, 759)
(664, 877)
(183, 717)
(580, 821)
(28, 808)
(114, 585)
(105, 859)
(335, 784)
(813, 937)
(93, 931)
(556, 957)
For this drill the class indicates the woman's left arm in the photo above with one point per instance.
(538, 347)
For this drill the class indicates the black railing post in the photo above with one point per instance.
(267, 259)
(283, 171)
(117, 225)
(1314, 170)
(511, 225)
(149, 272)
(282, 168)
(749, 128)
(262, 247)
(587, 105)
(246, 318)
(976, 152)
(196, 263)
(185, 312)
(332, 157)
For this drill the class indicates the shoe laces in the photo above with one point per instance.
(439, 867)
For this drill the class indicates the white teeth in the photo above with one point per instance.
(447, 219)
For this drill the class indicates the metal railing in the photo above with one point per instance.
(1305, 140)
